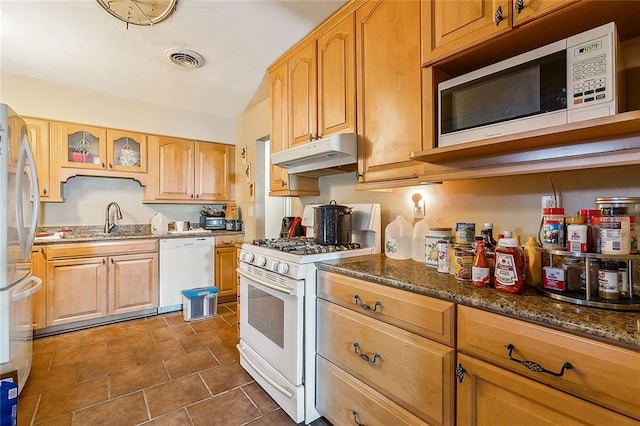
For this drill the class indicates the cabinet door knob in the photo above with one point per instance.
(44, 191)
(519, 5)
(499, 16)
(110, 166)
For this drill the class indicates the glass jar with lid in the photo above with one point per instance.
(573, 268)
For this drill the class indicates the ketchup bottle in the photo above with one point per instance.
(480, 271)
(509, 268)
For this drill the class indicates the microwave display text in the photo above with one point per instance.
(589, 48)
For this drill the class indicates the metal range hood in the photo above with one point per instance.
(321, 154)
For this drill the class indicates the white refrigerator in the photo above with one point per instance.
(19, 208)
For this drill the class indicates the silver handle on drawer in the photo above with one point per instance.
(365, 306)
(365, 357)
(535, 367)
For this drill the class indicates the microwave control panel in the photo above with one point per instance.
(591, 73)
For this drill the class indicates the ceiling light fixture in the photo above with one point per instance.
(185, 58)
(139, 12)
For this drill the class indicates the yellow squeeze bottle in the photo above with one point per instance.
(533, 268)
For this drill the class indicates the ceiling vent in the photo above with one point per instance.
(185, 58)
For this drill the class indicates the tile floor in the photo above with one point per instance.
(158, 370)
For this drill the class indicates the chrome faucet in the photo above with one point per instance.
(108, 225)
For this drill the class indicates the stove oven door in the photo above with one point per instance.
(271, 326)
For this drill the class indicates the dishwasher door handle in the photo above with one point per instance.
(289, 291)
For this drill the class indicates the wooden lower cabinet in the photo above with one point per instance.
(133, 283)
(76, 290)
(226, 262)
(380, 349)
(90, 281)
(490, 395)
(343, 399)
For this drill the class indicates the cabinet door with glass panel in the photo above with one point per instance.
(126, 151)
(83, 147)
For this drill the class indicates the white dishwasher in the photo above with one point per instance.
(185, 263)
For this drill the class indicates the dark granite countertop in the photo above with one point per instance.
(88, 233)
(621, 328)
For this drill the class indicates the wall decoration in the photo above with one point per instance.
(252, 193)
(243, 155)
(247, 172)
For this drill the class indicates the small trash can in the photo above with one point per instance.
(199, 303)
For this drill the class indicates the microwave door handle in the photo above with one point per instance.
(26, 242)
(279, 388)
(290, 292)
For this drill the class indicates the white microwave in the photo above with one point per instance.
(571, 80)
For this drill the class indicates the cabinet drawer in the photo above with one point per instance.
(342, 399)
(419, 314)
(226, 240)
(103, 248)
(411, 370)
(603, 374)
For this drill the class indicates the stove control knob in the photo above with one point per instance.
(261, 261)
(247, 257)
(283, 268)
(274, 266)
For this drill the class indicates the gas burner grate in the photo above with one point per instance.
(302, 245)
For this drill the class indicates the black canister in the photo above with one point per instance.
(332, 224)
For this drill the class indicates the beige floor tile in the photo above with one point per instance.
(200, 341)
(225, 377)
(171, 333)
(158, 352)
(190, 363)
(103, 365)
(123, 411)
(260, 398)
(231, 408)
(167, 397)
(137, 378)
(68, 399)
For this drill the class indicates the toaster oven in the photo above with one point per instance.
(212, 223)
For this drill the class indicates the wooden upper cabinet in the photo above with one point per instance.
(528, 10)
(46, 160)
(175, 169)
(389, 101)
(302, 95)
(279, 123)
(126, 151)
(212, 173)
(450, 26)
(82, 146)
(337, 79)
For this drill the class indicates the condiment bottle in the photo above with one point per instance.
(487, 229)
(608, 281)
(480, 271)
(533, 272)
(509, 274)
(552, 228)
(489, 249)
(588, 216)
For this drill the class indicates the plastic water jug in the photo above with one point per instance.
(397, 239)
(159, 224)
(420, 231)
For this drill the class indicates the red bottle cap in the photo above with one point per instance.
(589, 213)
(553, 210)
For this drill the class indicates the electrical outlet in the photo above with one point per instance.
(550, 201)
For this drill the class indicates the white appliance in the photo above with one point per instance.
(185, 263)
(336, 150)
(571, 80)
(278, 308)
(18, 222)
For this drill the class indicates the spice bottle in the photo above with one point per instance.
(615, 231)
(573, 268)
(588, 216)
(509, 274)
(552, 228)
(608, 281)
(590, 273)
(480, 271)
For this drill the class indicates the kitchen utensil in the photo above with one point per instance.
(291, 227)
(332, 224)
(211, 212)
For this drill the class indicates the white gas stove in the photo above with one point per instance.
(278, 307)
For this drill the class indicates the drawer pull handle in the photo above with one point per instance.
(537, 368)
(355, 418)
(365, 306)
(365, 357)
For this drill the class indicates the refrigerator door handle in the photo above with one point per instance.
(33, 289)
(26, 241)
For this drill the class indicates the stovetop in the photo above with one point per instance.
(302, 245)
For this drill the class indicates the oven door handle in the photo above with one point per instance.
(290, 292)
(286, 392)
